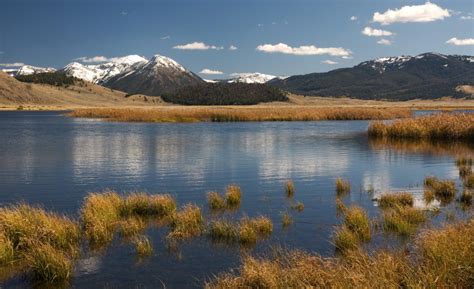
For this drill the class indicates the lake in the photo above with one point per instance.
(52, 160)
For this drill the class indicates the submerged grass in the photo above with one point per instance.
(390, 200)
(442, 258)
(289, 189)
(446, 126)
(143, 245)
(286, 219)
(444, 190)
(225, 114)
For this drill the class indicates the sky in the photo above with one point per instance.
(217, 38)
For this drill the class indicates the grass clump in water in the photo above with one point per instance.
(223, 230)
(357, 221)
(187, 222)
(216, 201)
(403, 220)
(298, 206)
(390, 200)
(444, 190)
(342, 187)
(345, 239)
(143, 246)
(466, 198)
(252, 228)
(289, 189)
(286, 219)
(428, 196)
(469, 181)
(49, 264)
(233, 196)
(132, 227)
(464, 161)
(146, 205)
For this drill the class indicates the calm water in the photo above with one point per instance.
(49, 159)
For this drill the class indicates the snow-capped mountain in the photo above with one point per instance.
(28, 70)
(101, 73)
(428, 75)
(159, 75)
(252, 77)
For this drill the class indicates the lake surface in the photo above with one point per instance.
(52, 160)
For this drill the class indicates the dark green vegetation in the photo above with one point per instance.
(426, 76)
(51, 78)
(224, 94)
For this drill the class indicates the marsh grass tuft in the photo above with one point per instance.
(145, 205)
(428, 196)
(340, 206)
(132, 227)
(49, 264)
(252, 228)
(464, 161)
(403, 220)
(7, 253)
(187, 222)
(298, 206)
(390, 200)
(357, 220)
(233, 195)
(286, 219)
(466, 198)
(342, 187)
(444, 190)
(216, 201)
(469, 181)
(223, 230)
(345, 239)
(143, 245)
(289, 189)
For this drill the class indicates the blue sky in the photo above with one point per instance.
(53, 32)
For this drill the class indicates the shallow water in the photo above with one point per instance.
(52, 160)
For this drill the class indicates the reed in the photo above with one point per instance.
(298, 206)
(390, 200)
(143, 246)
(216, 201)
(226, 114)
(7, 252)
(464, 161)
(403, 220)
(444, 190)
(144, 205)
(465, 171)
(441, 258)
(342, 187)
(132, 227)
(428, 196)
(357, 221)
(187, 222)
(233, 196)
(444, 126)
(469, 181)
(49, 264)
(289, 189)
(466, 198)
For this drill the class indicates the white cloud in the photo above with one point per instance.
(303, 50)
(369, 31)
(93, 59)
(165, 37)
(330, 62)
(416, 13)
(198, 46)
(469, 16)
(15, 64)
(461, 42)
(211, 72)
(384, 41)
(353, 18)
(232, 47)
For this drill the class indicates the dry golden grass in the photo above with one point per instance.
(390, 200)
(357, 220)
(345, 239)
(132, 227)
(286, 219)
(216, 201)
(466, 198)
(469, 181)
(143, 246)
(223, 231)
(442, 258)
(233, 196)
(444, 126)
(255, 113)
(444, 190)
(403, 220)
(289, 189)
(143, 204)
(187, 222)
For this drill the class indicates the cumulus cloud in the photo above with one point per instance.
(469, 16)
(93, 59)
(416, 13)
(211, 72)
(330, 62)
(232, 47)
(15, 64)
(165, 37)
(461, 42)
(303, 50)
(369, 31)
(198, 46)
(384, 41)
(353, 18)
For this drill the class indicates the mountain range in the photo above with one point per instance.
(425, 76)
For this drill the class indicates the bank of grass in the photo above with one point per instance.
(390, 200)
(441, 126)
(342, 186)
(45, 242)
(357, 221)
(403, 220)
(441, 258)
(226, 114)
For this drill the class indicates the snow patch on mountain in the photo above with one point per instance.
(29, 69)
(252, 77)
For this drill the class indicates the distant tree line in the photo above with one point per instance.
(225, 94)
(51, 78)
